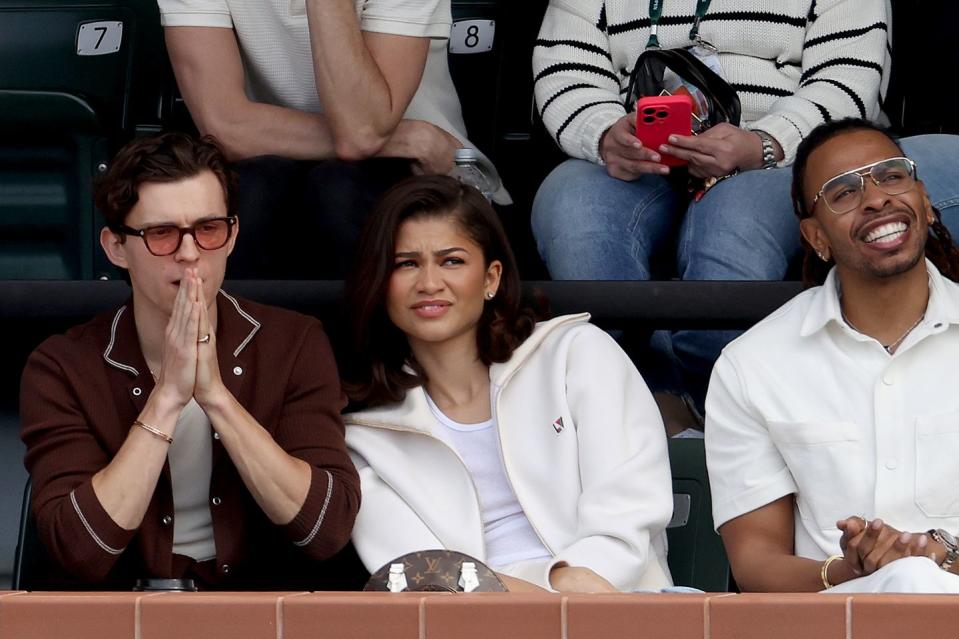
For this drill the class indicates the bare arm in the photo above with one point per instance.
(364, 80)
(125, 486)
(760, 549)
(278, 481)
(210, 75)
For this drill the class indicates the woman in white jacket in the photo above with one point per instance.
(536, 448)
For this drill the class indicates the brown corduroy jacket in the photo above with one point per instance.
(80, 394)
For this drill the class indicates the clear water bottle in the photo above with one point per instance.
(471, 169)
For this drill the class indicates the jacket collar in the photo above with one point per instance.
(942, 308)
(499, 374)
(413, 413)
(236, 328)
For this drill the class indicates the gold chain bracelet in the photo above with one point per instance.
(156, 432)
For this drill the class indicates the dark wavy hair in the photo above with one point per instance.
(375, 371)
(168, 157)
(940, 248)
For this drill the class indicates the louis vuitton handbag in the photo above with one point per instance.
(435, 570)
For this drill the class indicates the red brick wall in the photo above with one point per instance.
(477, 616)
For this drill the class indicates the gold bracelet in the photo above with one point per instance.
(824, 573)
(156, 432)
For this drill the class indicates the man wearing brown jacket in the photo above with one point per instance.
(187, 434)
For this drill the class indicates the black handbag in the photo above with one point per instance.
(647, 80)
(435, 570)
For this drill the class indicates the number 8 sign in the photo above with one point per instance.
(472, 36)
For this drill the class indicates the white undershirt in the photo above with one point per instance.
(507, 533)
(191, 465)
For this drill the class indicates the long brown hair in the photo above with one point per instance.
(375, 372)
(940, 249)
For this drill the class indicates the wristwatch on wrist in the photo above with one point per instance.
(948, 542)
(769, 149)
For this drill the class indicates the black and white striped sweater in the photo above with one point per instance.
(795, 63)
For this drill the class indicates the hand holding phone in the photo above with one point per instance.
(658, 117)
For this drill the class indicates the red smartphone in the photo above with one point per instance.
(658, 117)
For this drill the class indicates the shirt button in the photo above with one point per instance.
(891, 463)
(167, 520)
(237, 370)
(216, 501)
(137, 391)
(887, 379)
(225, 569)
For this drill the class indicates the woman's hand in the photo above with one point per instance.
(178, 364)
(578, 579)
(209, 384)
(718, 151)
(515, 584)
(625, 156)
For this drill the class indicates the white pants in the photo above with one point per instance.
(906, 575)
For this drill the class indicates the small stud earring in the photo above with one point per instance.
(821, 256)
(490, 295)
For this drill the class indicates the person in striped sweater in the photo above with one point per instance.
(794, 63)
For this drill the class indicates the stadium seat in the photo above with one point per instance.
(69, 96)
(475, 56)
(30, 561)
(922, 59)
(696, 554)
(495, 88)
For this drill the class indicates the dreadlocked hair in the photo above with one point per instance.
(939, 249)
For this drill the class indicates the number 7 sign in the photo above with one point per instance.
(99, 38)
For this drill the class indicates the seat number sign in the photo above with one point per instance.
(472, 36)
(99, 38)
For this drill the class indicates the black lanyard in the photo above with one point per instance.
(656, 13)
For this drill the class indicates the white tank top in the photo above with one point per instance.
(507, 533)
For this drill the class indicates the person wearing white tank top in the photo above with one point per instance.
(507, 532)
(536, 448)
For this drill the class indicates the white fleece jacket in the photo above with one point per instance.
(584, 449)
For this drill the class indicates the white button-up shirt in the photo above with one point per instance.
(804, 404)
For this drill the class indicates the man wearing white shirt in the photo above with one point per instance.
(325, 102)
(832, 426)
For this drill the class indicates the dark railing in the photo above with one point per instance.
(661, 304)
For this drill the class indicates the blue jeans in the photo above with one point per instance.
(590, 226)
